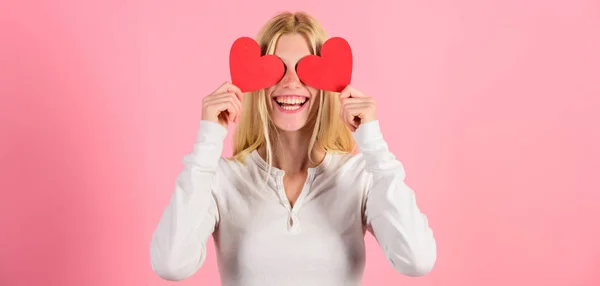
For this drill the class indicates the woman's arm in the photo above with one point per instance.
(178, 246)
(391, 211)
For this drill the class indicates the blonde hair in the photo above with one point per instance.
(255, 126)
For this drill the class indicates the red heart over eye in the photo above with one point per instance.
(332, 71)
(249, 70)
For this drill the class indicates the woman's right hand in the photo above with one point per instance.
(223, 105)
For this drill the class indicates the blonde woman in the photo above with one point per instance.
(292, 205)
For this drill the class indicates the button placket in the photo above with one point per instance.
(281, 192)
(293, 219)
(293, 222)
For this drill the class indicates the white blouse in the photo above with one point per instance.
(260, 240)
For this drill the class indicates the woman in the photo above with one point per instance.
(292, 206)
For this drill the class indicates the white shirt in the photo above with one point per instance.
(260, 240)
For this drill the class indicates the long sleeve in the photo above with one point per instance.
(178, 246)
(391, 211)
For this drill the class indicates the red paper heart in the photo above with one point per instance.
(249, 70)
(332, 71)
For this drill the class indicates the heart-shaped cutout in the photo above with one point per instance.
(249, 70)
(332, 71)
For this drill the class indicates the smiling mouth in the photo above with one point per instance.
(291, 102)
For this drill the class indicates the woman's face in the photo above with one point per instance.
(291, 103)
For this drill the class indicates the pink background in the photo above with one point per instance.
(491, 105)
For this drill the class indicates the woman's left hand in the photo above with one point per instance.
(356, 107)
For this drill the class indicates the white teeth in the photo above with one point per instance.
(291, 107)
(291, 99)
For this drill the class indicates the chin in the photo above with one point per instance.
(288, 122)
(289, 126)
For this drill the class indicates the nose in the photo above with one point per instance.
(291, 79)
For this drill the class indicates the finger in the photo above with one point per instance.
(354, 103)
(354, 100)
(346, 121)
(227, 85)
(345, 93)
(234, 89)
(238, 107)
(356, 111)
(229, 107)
(221, 88)
(228, 95)
(348, 118)
(236, 97)
(238, 104)
(353, 117)
(360, 107)
(350, 91)
(349, 122)
(225, 104)
(220, 97)
(349, 126)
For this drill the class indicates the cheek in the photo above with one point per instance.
(268, 93)
(314, 94)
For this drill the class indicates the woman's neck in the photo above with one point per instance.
(290, 152)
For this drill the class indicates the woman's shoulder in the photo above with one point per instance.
(232, 165)
(234, 176)
(346, 161)
(241, 167)
(348, 173)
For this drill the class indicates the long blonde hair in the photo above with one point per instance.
(255, 126)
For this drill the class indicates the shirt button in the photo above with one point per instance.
(293, 223)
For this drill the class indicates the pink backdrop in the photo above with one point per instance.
(491, 105)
